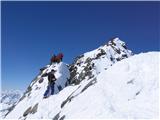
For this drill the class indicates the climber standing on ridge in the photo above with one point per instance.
(61, 56)
(57, 58)
(53, 59)
(51, 83)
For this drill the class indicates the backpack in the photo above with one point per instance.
(51, 77)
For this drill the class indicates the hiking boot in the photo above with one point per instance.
(44, 97)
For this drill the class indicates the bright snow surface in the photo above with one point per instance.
(128, 89)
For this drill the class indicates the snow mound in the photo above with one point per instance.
(128, 89)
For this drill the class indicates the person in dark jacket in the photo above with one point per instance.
(59, 57)
(53, 59)
(51, 76)
(51, 83)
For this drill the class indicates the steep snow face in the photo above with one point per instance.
(128, 89)
(92, 63)
(97, 85)
(33, 97)
(83, 73)
(7, 101)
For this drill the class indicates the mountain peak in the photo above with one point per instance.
(116, 42)
(79, 85)
(114, 51)
(117, 39)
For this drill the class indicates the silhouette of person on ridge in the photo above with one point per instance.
(57, 58)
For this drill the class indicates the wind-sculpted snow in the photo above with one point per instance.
(128, 89)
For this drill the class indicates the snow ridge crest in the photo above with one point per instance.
(95, 61)
(73, 79)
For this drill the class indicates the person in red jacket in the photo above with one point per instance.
(60, 55)
(53, 59)
(57, 58)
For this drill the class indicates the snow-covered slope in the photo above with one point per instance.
(128, 89)
(7, 100)
(33, 97)
(97, 85)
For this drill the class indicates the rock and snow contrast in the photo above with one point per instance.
(7, 100)
(128, 89)
(108, 82)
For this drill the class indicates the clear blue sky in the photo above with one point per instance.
(32, 31)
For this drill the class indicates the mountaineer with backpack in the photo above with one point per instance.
(51, 83)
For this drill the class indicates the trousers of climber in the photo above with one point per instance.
(51, 83)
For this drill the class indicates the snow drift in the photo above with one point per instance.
(128, 89)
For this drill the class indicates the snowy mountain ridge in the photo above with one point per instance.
(96, 85)
(92, 63)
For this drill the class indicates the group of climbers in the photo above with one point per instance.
(57, 58)
(51, 76)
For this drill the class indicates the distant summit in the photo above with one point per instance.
(8, 99)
